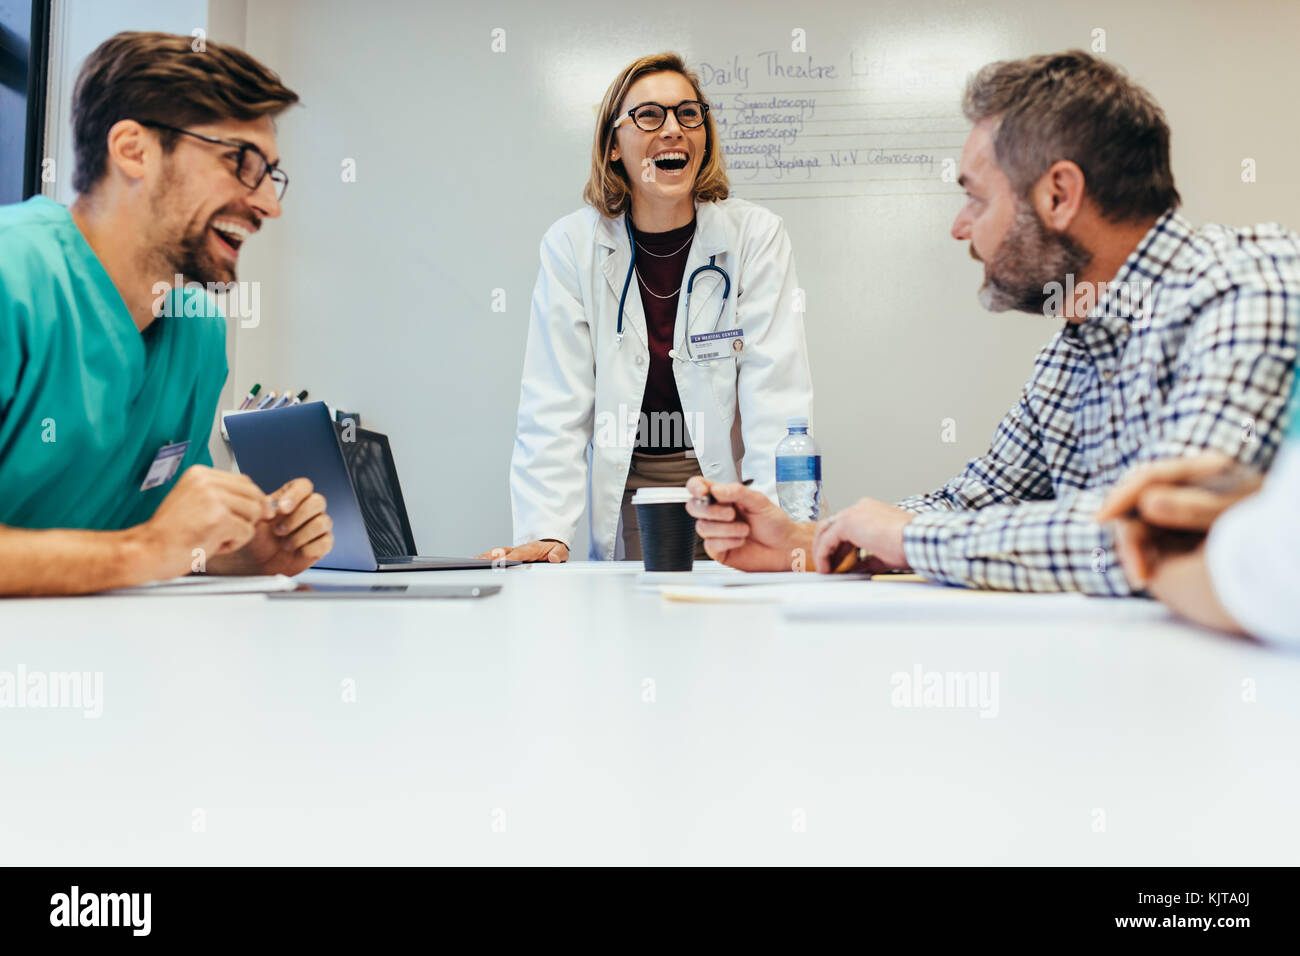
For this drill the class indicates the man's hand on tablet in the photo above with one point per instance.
(295, 534)
(206, 514)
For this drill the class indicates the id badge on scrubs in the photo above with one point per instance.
(164, 465)
(710, 346)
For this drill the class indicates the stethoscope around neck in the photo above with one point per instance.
(710, 266)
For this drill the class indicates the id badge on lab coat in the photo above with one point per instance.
(164, 465)
(710, 346)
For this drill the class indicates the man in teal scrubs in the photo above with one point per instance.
(109, 374)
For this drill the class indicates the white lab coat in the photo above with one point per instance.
(1252, 555)
(581, 391)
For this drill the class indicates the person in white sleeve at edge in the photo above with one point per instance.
(1239, 577)
(642, 395)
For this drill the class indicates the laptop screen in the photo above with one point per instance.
(370, 463)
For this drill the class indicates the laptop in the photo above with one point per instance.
(358, 478)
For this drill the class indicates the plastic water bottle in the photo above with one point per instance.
(799, 472)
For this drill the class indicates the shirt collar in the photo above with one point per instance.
(710, 230)
(1128, 295)
(1155, 253)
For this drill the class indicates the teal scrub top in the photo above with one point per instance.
(86, 398)
(1293, 430)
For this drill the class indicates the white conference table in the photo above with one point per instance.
(520, 728)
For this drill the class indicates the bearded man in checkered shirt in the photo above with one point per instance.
(1176, 341)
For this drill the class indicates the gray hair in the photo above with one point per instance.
(1073, 106)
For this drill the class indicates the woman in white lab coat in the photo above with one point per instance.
(644, 395)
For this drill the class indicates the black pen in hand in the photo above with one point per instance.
(710, 500)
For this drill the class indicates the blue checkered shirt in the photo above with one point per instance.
(1203, 361)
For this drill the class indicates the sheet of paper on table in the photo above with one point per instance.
(937, 602)
(758, 594)
(730, 578)
(203, 584)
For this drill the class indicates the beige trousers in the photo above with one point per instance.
(654, 471)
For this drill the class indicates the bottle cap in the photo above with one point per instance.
(799, 422)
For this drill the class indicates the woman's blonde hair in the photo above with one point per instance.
(608, 189)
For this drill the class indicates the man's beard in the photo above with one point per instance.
(1029, 259)
(190, 255)
(193, 258)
